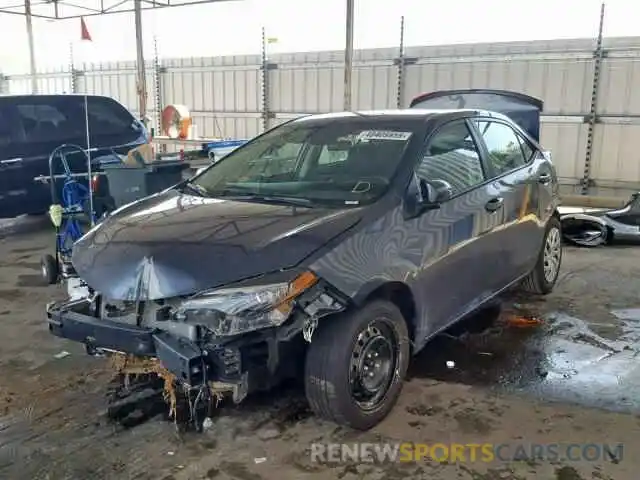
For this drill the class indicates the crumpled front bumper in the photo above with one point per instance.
(240, 363)
(182, 357)
(100, 334)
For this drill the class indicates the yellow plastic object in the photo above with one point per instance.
(55, 214)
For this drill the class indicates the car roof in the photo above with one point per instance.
(48, 95)
(397, 114)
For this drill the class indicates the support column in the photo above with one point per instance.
(265, 87)
(348, 56)
(32, 49)
(592, 119)
(141, 73)
(400, 62)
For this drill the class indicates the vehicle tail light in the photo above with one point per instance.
(95, 183)
(181, 156)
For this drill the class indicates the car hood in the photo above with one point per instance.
(173, 244)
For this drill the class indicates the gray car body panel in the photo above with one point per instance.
(455, 258)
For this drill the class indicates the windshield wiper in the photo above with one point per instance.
(194, 188)
(278, 199)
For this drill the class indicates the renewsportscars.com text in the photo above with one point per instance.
(464, 452)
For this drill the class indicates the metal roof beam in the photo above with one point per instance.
(80, 7)
(49, 10)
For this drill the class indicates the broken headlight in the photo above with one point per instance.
(231, 311)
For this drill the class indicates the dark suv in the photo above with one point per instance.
(333, 246)
(32, 126)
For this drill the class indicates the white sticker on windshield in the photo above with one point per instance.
(383, 135)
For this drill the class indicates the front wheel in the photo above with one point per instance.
(356, 364)
(544, 275)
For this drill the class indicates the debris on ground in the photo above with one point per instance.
(522, 321)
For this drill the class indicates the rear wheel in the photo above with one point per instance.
(356, 365)
(544, 275)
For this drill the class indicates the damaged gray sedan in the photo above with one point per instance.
(331, 248)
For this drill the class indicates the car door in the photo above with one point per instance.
(514, 172)
(14, 178)
(459, 253)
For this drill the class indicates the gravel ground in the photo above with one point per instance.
(571, 378)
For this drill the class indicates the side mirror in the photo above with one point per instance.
(425, 195)
(434, 192)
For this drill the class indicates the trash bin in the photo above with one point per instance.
(128, 184)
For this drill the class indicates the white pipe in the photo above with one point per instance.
(32, 49)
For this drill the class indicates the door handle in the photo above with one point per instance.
(494, 204)
(544, 178)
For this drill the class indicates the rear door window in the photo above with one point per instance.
(49, 121)
(32, 126)
(42, 122)
(505, 146)
(109, 117)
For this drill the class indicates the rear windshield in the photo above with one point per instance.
(32, 123)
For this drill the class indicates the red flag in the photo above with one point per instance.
(84, 31)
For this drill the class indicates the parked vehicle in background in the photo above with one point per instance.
(32, 126)
(333, 246)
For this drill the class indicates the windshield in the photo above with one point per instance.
(345, 163)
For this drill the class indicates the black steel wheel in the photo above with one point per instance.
(372, 361)
(356, 364)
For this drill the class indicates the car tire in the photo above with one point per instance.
(49, 269)
(544, 275)
(371, 341)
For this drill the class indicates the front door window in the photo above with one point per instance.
(452, 156)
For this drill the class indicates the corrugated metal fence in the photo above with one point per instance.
(227, 96)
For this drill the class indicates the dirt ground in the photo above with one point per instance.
(571, 379)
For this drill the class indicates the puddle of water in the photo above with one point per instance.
(561, 359)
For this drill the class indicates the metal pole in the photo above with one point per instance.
(32, 50)
(72, 69)
(598, 54)
(157, 86)
(348, 55)
(265, 83)
(400, 92)
(89, 173)
(142, 81)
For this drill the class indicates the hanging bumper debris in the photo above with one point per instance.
(592, 229)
